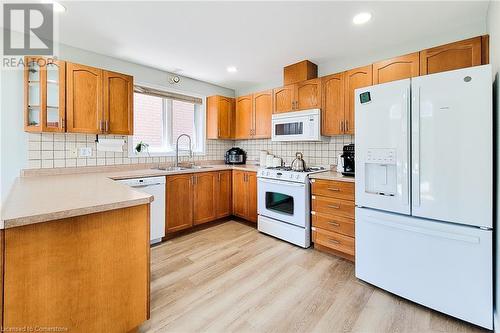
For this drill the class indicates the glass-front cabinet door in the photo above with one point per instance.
(45, 80)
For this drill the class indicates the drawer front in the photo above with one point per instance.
(333, 189)
(334, 241)
(331, 206)
(342, 225)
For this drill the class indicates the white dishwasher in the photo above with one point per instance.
(156, 187)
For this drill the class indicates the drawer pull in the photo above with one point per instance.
(334, 189)
(334, 224)
(333, 241)
(334, 206)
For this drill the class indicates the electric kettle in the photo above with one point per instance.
(298, 164)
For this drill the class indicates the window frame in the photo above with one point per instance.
(199, 137)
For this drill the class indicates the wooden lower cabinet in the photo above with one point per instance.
(205, 191)
(245, 195)
(87, 273)
(179, 202)
(333, 217)
(224, 194)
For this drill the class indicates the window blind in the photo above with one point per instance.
(166, 94)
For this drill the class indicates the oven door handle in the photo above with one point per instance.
(285, 183)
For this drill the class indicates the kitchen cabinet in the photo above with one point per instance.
(332, 215)
(308, 94)
(88, 273)
(179, 202)
(333, 106)
(118, 103)
(253, 116)
(98, 101)
(84, 107)
(44, 95)
(224, 193)
(301, 71)
(244, 117)
(465, 53)
(205, 197)
(354, 79)
(245, 195)
(262, 113)
(398, 68)
(300, 96)
(284, 99)
(220, 117)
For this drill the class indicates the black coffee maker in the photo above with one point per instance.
(235, 155)
(348, 160)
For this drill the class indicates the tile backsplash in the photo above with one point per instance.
(322, 153)
(54, 150)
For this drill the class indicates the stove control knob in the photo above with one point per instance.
(297, 177)
(267, 173)
(291, 176)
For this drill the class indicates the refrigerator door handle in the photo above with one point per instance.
(406, 148)
(416, 148)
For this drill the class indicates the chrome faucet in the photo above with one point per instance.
(177, 149)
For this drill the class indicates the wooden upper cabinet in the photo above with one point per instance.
(220, 117)
(451, 56)
(224, 193)
(332, 112)
(84, 108)
(205, 185)
(284, 99)
(118, 103)
(244, 117)
(308, 94)
(262, 112)
(179, 202)
(398, 68)
(301, 71)
(355, 78)
(45, 95)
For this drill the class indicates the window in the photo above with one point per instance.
(159, 120)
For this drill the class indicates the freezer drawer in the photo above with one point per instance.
(443, 266)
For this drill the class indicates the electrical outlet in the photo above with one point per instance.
(85, 152)
(74, 153)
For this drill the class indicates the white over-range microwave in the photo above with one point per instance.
(297, 126)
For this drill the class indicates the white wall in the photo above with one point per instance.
(331, 66)
(493, 24)
(14, 142)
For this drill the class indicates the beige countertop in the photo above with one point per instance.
(332, 175)
(41, 198)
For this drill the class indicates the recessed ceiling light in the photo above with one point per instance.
(362, 18)
(57, 6)
(231, 69)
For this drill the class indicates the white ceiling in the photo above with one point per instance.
(200, 39)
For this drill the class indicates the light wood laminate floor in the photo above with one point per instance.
(231, 278)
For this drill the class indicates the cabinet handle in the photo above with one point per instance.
(334, 206)
(333, 241)
(106, 126)
(63, 125)
(192, 180)
(218, 132)
(347, 125)
(335, 224)
(333, 189)
(218, 177)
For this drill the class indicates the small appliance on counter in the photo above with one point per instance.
(347, 160)
(235, 155)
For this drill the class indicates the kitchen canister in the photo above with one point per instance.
(277, 162)
(269, 161)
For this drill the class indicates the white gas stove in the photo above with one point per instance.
(287, 174)
(284, 204)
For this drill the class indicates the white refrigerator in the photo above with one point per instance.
(424, 191)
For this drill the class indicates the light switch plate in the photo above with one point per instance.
(85, 152)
